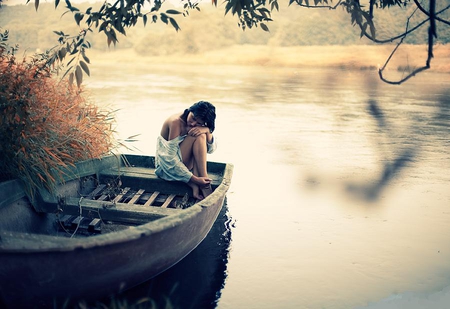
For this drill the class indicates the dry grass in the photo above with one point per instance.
(45, 125)
(350, 57)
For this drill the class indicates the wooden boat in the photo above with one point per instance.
(112, 225)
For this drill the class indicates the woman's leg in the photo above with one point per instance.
(194, 152)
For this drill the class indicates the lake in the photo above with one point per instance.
(340, 194)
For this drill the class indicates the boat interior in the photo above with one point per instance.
(99, 197)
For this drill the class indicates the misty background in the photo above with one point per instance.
(209, 29)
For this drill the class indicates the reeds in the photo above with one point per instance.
(46, 125)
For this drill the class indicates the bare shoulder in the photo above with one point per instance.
(172, 121)
(171, 127)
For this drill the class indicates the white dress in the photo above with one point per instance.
(168, 161)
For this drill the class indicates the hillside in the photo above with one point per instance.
(298, 37)
(210, 30)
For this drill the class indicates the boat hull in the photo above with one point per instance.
(44, 270)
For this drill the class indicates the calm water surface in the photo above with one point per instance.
(340, 195)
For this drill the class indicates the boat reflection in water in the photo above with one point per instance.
(198, 279)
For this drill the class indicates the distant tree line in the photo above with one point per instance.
(300, 23)
(205, 30)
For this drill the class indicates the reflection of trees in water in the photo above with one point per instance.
(197, 280)
(404, 156)
(391, 167)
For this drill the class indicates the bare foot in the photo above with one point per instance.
(196, 191)
(207, 190)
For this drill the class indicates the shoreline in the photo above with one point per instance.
(355, 57)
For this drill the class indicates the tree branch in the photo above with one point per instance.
(431, 36)
(422, 9)
(318, 6)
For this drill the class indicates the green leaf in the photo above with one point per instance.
(70, 79)
(67, 71)
(174, 24)
(264, 27)
(173, 12)
(85, 67)
(73, 58)
(275, 5)
(56, 3)
(78, 76)
(228, 7)
(85, 57)
(78, 17)
(113, 36)
(164, 18)
(363, 30)
(103, 26)
(144, 18)
(65, 13)
(62, 53)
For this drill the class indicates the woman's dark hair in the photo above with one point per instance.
(203, 110)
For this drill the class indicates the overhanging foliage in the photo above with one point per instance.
(115, 17)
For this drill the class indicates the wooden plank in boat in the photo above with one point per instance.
(149, 184)
(102, 198)
(117, 212)
(168, 201)
(66, 220)
(76, 222)
(136, 196)
(152, 199)
(121, 195)
(95, 226)
(148, 173)
(97, 191)
(79, 223)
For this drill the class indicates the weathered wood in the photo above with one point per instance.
(96, 192)
(117, 212)
(95, 226)
(66, 220)
(145, 178)
(102, 198)
(136, 196)
(168, 200)
(76, 222)
(149, 162)
(121, 195)
(148, 173)
(14, 191)
(152, 199)
(157, 244)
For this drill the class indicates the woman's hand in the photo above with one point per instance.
(201, 181)
(196, 131)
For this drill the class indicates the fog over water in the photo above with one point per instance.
(339, 197)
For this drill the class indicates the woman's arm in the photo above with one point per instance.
(196, 131)
(211, 143)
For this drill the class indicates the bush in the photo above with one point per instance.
(45, 125)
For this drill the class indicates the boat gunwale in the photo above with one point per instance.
(50, 243)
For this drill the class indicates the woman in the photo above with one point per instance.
(182, 146)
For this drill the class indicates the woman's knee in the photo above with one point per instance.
(201, 138)
(200, 141)
(195, 139)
